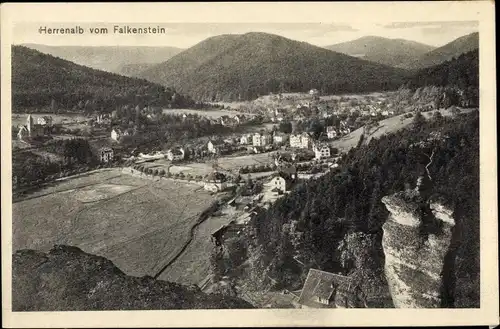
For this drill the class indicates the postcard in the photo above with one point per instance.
(249, 164)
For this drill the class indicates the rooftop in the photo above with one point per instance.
(324, 285)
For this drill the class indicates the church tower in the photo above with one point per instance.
(29, 124)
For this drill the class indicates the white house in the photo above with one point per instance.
(175, 154)
(385, 113)
(331, 132)
(214, 146)
(245, 139)
(261, 140)
(300, 141)
(116, 134)
(279, 184)
(105, 154)
(45, 120)
(321, 151)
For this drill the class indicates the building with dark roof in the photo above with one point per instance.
(328, 290)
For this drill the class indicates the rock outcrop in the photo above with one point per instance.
(68, 279)
(416, 241)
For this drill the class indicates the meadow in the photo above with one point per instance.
(138, 224)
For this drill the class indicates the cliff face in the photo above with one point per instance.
(415, 246)
(68, 279)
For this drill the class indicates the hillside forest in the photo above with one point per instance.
(333, 223)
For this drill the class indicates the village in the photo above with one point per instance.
(257, 158)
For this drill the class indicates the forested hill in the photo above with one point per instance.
(39, 80)
(326, 212)
(462, 71)
(452, 49)
(232, 67)
(459, 77)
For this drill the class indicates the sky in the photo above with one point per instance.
(185, 35)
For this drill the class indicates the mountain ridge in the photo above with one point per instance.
(243, 66)
(393, 52)
(446, 52)
(40, 79)
(108, 58)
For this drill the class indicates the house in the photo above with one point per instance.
(246, 139)
(280, 138)
(102, 119)
(280, 184)
(328, 290)
(385, 113)
(45, 120)
(261, 139)
(215, 146)
(116, 134)
(215, 182)
(105, 154)
(284, 180)
(321, 151)
(176, 154)
(331, 132)
(314, 93)
(300, 140)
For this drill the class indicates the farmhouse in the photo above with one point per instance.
(261, 139)
(321, 151)
(215, 182)
(326, 290)
(331, 132)
(175, 154)
(300, 140)
(105, 154)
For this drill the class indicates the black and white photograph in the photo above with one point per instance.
(250, 165)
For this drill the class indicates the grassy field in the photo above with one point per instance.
(57, 118)
(214, 114)
(232, 164)
(138, 224)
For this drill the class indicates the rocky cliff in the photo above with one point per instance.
(416, 241)
(68, 279)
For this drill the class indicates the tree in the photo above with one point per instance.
(418, 121)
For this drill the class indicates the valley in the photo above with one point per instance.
(250, 170)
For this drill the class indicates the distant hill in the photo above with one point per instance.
(393, 52)
(133, 70)
(39, 80)
(232, 67)
(447, 52)
(68, 279)
(108, 58)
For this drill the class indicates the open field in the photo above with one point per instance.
(387, 126)
(214, 114)
(228, 163)
(138, 224)
(18, 118)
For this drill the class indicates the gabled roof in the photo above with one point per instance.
(319, 284)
